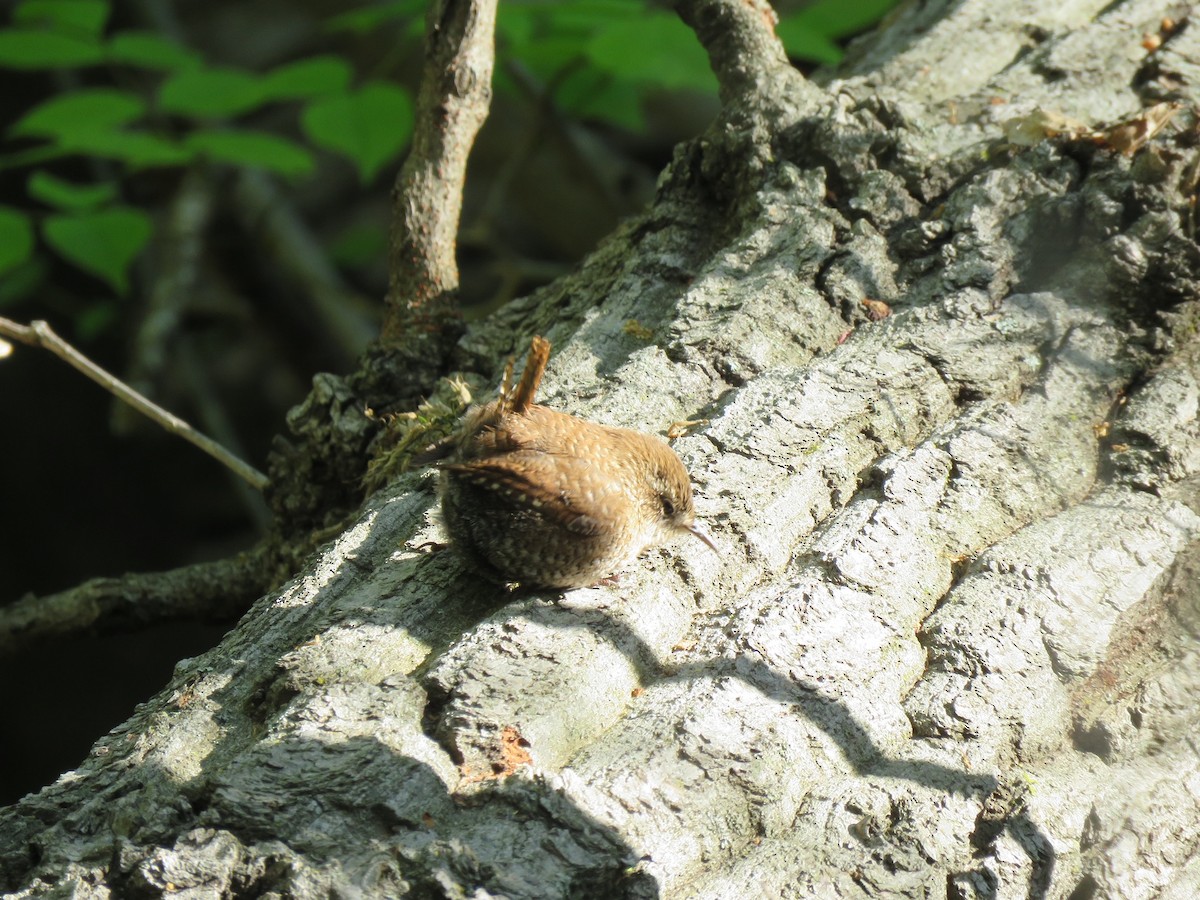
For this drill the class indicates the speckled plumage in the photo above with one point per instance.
(540, 497)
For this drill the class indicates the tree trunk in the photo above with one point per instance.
(949, 648)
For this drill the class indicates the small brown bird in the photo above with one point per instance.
(542, 498)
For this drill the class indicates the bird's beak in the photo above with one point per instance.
(703, 535)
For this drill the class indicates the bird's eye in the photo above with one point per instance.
(667, 505)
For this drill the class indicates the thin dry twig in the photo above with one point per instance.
(40, 334)
(456, 91)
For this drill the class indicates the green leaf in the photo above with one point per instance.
(16, 238)
(837, 18)
(656, 49)
(514, 24)
(135, 148)
(369, 18)
(23, 281)
(214, 93)
(28, 49)
(85, 110)
(87, 121)
(370, 126)
(62, 194)
(150, 51)
(253, 148)
(103, 243)
(82, 16)
(308, 78)
(548, 56)
(546, 38)
(802, 42)
(95, 319)
(587, 17)
(359, 245)
(590, 94)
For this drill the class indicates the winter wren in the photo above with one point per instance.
(545, 499)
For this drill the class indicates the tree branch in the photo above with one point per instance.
(204, 591)
(739, 36)
(40, 334)
(456, 91)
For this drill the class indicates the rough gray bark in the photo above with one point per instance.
(949, 649)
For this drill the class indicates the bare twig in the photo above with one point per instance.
(210, 591)
(40, 334)
(456, 91)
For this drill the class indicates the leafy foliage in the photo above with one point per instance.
(16, 238)
(187, 115)
(27, 48)
(84, 17)
(243, 147)
(593, 59)
(599, 59)
(56, 192)
(146, 50)
(211, 93)
(86, 110)
(103, 242)
(369, 125)
(812, 32)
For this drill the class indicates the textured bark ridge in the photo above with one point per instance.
(950, 646)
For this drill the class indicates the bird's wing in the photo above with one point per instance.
(561, 489)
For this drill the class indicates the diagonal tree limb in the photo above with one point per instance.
(211, 591)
